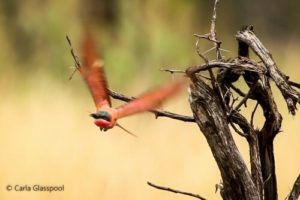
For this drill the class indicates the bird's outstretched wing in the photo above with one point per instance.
(151, 99)
(93, 72)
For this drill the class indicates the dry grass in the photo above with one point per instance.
(47, 138)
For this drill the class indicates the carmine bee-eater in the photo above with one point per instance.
(106, 116)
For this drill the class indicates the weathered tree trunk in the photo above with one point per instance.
(268, 168)
(212, 120)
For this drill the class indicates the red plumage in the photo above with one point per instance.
(106, 117)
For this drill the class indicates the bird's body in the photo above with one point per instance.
(106, 116)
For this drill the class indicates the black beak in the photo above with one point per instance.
(95, 115)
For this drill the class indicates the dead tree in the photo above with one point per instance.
(216, 108)
(216, 104)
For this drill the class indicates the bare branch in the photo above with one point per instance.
(252, 114)
(172, 71)
(217, 64)
(295, 193)
(213, 20)
(238, 131)
(212, 37)
(237, 90)
(205, 77)
(175, 191)
(199, 52)
(76, 59)
(207, 37)
(292, 83)
(213, 32)
(245, 98)
(233, 101)
(292, 97)
(208, 50)
(158, 113)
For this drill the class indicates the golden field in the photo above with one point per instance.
(47, 137)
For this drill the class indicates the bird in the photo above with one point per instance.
(92, 71)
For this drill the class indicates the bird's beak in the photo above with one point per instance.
(94, 115)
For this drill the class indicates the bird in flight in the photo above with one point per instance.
(92, 71)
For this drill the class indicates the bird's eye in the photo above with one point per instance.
(101, 115)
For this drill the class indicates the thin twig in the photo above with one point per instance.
(252, 114)
(213, 32)
(217, 44)
(233, 100)
(243, 101)
(225, 50)
(225, 65)
(206, 36)
(237, 130)
(172, 71)
(199, 52)
(237, 90)
(209, 50)
(212, 37)
(76, 59)
(292, 83)
(205, 77)
(158, 113)
(176, 191)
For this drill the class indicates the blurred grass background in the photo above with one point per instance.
(46, 136)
